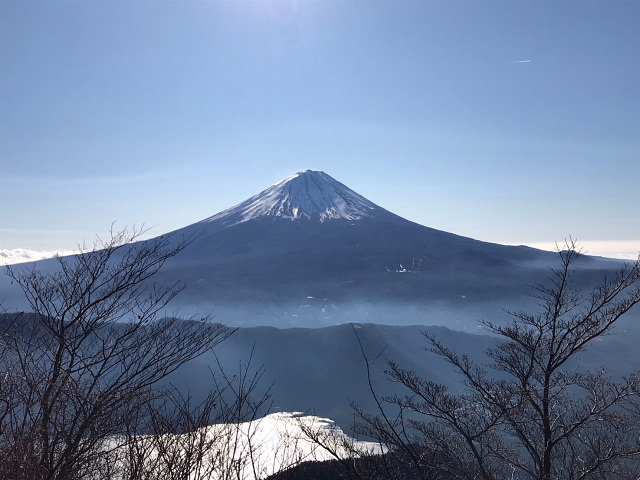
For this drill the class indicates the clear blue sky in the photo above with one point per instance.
(505, 121)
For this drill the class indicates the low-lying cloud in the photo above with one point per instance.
(22, 255)
(620, 249)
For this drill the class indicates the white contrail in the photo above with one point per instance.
(521, 61)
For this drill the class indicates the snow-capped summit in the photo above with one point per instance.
(311, 195)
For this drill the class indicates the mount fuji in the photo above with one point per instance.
(311, 252)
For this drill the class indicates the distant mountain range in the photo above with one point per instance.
(310, 252)
(322, 370)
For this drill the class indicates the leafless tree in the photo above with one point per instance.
(178, 438)
(529, 412)
(349, 457)
(84, 364)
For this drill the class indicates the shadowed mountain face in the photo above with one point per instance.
(309, 251)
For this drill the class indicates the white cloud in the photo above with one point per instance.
(22, 255)
(621, 249)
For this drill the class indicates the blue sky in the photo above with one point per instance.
(506, 121)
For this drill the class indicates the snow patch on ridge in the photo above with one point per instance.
(310, 194)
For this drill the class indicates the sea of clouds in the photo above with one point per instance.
(22, 255)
